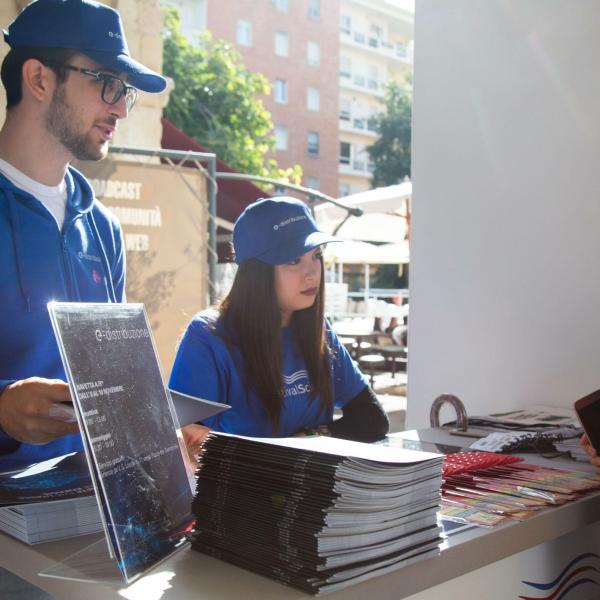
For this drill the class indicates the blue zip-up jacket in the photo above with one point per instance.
(84, 262)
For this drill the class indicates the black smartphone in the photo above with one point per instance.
(588, 411)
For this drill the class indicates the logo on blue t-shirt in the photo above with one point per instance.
(293, 384)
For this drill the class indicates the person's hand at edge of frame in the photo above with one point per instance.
(194, 436)
(587, 446)
(25, 410)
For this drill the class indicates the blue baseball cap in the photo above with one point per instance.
(276, 231)
(86, 26)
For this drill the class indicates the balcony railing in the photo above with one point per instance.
(359, 80)
(394, 49)
(356, 169)
(360, 126)
(361, 84)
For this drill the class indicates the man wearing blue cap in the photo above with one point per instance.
(69, 79)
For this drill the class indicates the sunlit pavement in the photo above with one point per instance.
(391, 391)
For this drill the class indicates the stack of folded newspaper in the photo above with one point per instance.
(49, 501)
(316, 513)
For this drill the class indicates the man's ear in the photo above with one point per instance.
(38, 81)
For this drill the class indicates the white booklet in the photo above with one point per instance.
(191, 409)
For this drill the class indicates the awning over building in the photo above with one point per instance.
(232, 196)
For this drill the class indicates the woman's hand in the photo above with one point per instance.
(587, 446)
(194, 436)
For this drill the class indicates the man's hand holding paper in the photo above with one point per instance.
(26, 407)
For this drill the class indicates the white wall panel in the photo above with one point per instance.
(505, 247)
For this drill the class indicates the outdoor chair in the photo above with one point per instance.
(370, 364)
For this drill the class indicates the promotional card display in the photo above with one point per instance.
(492, 495)
(315, 513)
(487, 488)
(128, 425)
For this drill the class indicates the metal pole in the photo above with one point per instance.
(210, 160)
(175, 154)
(212, 231)
(312, 194)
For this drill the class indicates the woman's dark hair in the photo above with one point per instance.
(252, 322)
(12, 68)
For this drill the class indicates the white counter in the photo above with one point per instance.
(486, 563)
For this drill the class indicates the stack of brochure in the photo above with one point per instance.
(50, 521)
(490, 494)
(48, 501)
(319, 513)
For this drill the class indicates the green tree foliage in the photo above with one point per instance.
(216, 101)
(391, 152)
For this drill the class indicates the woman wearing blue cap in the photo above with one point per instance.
(267, 350)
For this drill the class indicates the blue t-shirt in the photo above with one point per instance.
(205, 366)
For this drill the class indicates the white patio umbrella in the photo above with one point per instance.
(351, 252)
(363, 253)
(394, 254)
(371, 227)
(384, 219)
(379, 200)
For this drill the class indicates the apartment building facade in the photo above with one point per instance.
(376, 42)
(294, 44)
(328, 62)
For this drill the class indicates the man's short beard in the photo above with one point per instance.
(61, 121)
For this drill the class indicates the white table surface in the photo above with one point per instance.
(191, 575)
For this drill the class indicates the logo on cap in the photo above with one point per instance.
(288, 221)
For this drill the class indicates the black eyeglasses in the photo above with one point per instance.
(113, 88)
